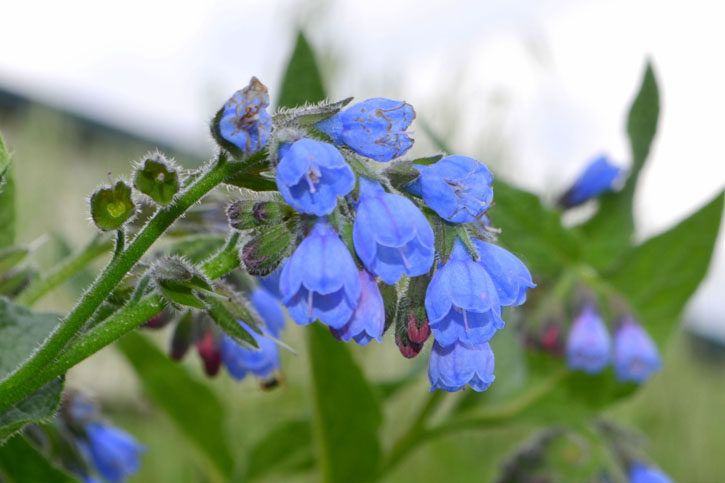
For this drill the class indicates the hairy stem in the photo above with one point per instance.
(71, 265)
(11, 390)
(125, 320)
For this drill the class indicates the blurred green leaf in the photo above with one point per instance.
(20, 462)
(285, 448)
(7, 209)
(21, 331)
(347, 413)
(660, 275)
(192, 406)
(38, 406)
(609, 232)
(302, 82)
(4, 159)
(532, 231)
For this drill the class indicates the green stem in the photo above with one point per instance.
(485, 419)
(12, 389)
(120, 243)
(66, 269)
(125, 320)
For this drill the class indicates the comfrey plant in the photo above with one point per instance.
(327, 219)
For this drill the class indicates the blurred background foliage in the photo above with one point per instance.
(59, 159)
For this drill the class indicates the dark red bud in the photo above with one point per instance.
(417, 334)
(157, 321)
(551, 339)
(406, 347)
(208, 349)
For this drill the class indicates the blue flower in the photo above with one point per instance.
(462, 302)
(245, 121)
(115, 454)
(268, 307)
(509, 274)
(368, 320)
(320, 280)
(589, 345)
(452, 367)
(635, 354)
(260, 362)
(598, 177)
(374, 128)
(458, 188)
(311, 175)
(641, 473)
(271, 282)
(391, 235)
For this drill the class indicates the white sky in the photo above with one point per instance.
(539, 86)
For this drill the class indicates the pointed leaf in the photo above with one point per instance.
(302, 82)
(347, 412)
(20, 462)
(190, 404)
(7, 209)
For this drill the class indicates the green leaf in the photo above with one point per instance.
(190, 404)
(21, 331)
(38, 406)
(285, 448)
(7, 209)
(660, 275)
(20, 462)
(532, 231)
(4, 159)
(609, 232)
(347, 413)
(302, 82)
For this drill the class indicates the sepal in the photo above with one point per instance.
(157, 178)
(180, 283)
(265, 251)
(112, 207)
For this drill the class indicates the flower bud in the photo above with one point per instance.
(247, 214)
(158, 179)
(636, 356)
(589, 345)
(208, 347)
(181, 340)
(407, 348)
(263, 253)
(111, 207)
(599, 177)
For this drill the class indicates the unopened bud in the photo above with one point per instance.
(263, 253)
(181, 340)
(408, 348)
(418, 328)
(247, 214)
(208, 348)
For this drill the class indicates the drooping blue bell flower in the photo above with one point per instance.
(368, 320)
(462, 301)
(311, 175)
(320, 279)
(375, 128)
(269, 308)
(391, 235)
(509, 274)
(599, 177)
(452, 367)
(458, 188)
(239, 361)
(245, 121)
(641, 473)
(114, 453)
(271, 282)
(636, 356)
(589, 345)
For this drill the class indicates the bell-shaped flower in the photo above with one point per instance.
(311, 175)
(589, 345)
(269, 308)
(462, 302)
(114, 453)
(636, 356)
(368, 320)
(375, 128)
(244, 120)
(391, 235)
(509, 274)
(320, 279)
(458, 188)
(452, 367)
(599, 176)
(641, 473)
(239, 361)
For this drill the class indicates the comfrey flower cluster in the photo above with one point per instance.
(589, 347)
(88, 446)
(363, 247)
